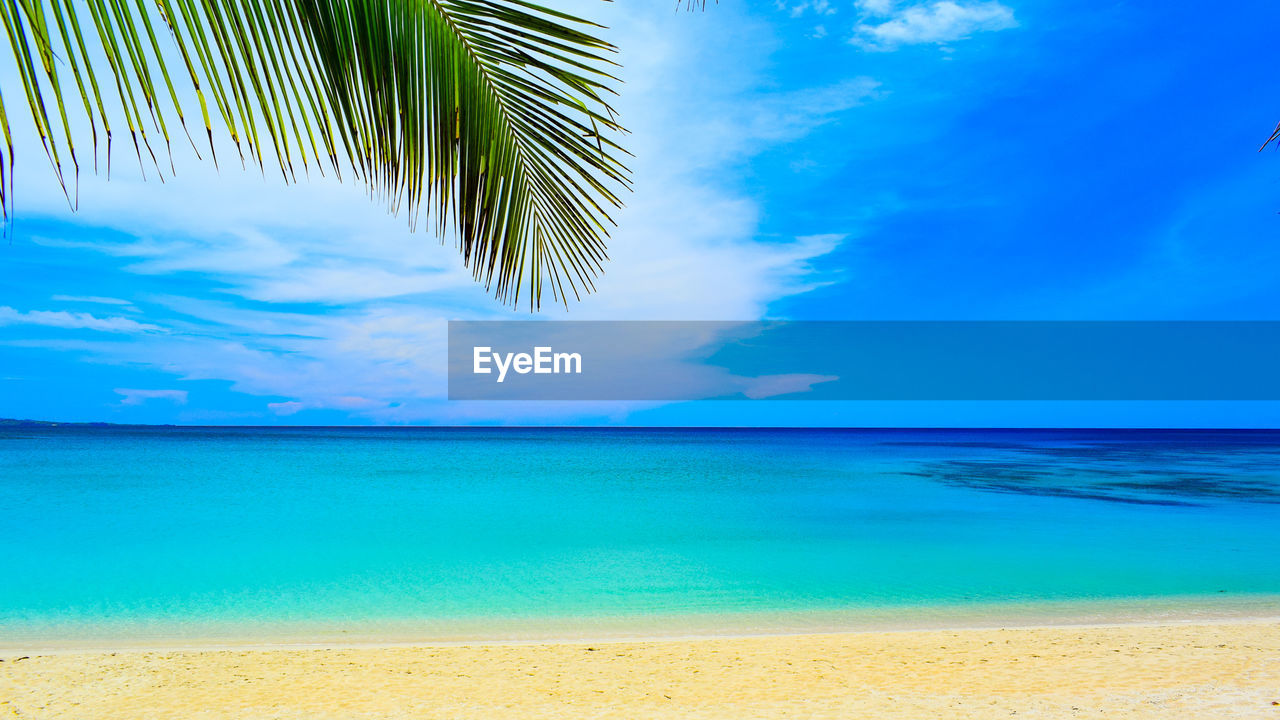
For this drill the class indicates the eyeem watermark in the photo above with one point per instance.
(543, 361)
(878, 361)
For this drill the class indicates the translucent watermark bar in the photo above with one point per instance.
(670, 361)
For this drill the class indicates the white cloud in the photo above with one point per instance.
(237, 252)
(740, 124)
(767, 386)
(285, 408)
(938, 22)
(876, 7)
(91, 299)
(819, 7)
(343, 282)
(74, 321)
(138, 397)
(361, 361)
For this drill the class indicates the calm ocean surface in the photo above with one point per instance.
(156, 530)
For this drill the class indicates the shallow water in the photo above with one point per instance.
(453, 530)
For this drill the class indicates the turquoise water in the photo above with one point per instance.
(173, 527)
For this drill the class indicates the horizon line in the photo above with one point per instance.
(21, 422)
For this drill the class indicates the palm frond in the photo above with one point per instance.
(1275, 135)
(493, 114)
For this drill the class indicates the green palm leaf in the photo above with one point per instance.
(491, 113)
(1275, 135)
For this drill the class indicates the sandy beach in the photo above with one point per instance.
(1211, 670)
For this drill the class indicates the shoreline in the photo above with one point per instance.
(339, 644)
(690, 627)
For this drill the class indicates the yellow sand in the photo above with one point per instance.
(1221, 670)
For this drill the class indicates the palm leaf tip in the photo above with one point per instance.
(1275, 135)
(490, 114)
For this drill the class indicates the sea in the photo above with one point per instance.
(148, 535)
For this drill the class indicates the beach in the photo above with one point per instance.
(1227, 669)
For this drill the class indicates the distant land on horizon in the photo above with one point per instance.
(15, 422)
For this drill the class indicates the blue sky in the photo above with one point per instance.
(879, 160)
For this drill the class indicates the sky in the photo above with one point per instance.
(801, 160)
